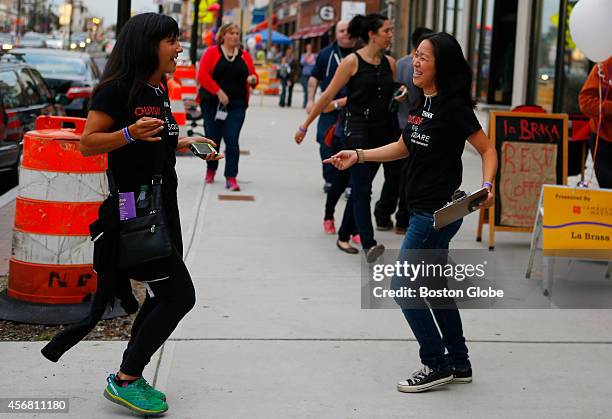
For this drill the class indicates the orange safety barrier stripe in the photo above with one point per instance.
(55, 218)
(180, 118)
(50, 151)
(50, 284)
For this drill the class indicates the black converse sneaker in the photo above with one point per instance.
(424, 379)
(462, 376)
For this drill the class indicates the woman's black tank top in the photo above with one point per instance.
(370, 90)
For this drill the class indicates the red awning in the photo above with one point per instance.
(318, 30)
(298, 34)
(312, 31)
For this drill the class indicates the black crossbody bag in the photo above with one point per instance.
(145, 238)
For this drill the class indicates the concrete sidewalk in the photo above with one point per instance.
(278, 330)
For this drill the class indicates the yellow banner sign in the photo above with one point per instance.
(577, 222)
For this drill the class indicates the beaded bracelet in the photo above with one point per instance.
(126, 135)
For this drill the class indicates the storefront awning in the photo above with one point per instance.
(312, 31)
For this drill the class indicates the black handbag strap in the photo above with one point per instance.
(158, 166)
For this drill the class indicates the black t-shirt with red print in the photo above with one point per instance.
(435, 136)
(132, 165)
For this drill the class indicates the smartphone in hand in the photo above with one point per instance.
(202, 149)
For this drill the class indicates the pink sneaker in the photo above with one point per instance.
(232, 184)
(329, 227)
(356, 239)
(210, 176)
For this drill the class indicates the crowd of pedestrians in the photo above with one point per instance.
(412, 116)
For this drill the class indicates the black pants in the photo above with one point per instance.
(357, 212)
(286, 92)
(392, 195)
(166, 304)
(603, 162)
(363, 132)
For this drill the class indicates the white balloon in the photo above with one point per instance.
(251, 42)
(590, 28)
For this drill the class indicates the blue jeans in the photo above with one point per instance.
(228, 131)
(304, 82)
(326, 120)
(421, 235)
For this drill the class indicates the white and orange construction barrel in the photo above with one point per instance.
(186, 76)
(177, 106)
(60, 191)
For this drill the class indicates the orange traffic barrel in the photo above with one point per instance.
(177, 106)
(59, 193)
(186, 76)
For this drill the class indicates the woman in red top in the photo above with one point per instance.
(226, 74)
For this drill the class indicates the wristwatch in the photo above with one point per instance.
(360, 156)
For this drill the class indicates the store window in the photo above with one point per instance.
(491, 54)
(448, 15)
(558, 68)
(481, 54)
(544, 53)
(576, 69)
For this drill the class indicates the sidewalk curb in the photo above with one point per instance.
(8, 197)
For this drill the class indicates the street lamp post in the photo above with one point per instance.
(194, 32)
(18, 21)
(123, 14)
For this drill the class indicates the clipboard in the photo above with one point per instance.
(459, 207)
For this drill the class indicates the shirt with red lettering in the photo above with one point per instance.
(435, 136)
(132, 165)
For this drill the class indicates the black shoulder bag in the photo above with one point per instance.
(145, 238)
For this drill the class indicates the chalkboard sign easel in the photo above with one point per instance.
(532, 151)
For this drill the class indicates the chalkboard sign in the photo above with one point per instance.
(532, 150)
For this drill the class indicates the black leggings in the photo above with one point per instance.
(603, 164)
(166, 304)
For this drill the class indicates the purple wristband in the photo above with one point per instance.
(302, 129)
(488, 185)
(126, 135)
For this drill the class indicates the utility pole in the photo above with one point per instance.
(70, 23)
(270, 11)
(18, 23)
(402, 37)
(220, 14)
(194, 32)
(124, 8)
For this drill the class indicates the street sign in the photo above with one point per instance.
(352, 8)
(327, 13)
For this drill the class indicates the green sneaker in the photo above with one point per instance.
(152, 390)
(135, 397)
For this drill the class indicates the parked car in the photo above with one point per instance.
(79, 41)
(53, 42)
(7, 41)
(73, 74)
(33, 40)
(24, 96)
